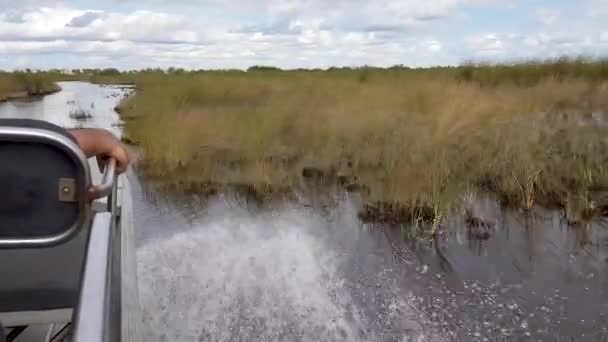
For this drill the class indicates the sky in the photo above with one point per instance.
(211, 34)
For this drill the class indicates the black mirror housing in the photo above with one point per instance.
(44, 178)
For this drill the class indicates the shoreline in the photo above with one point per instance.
(23, 95)
(425, 220)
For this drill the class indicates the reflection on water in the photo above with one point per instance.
(223, 273)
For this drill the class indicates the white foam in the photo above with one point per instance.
(239, 277)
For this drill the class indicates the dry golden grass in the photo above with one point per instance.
(20, 84)
(421, 139)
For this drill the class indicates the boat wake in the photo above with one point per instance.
(283, 275)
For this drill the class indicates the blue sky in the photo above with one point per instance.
(294, 33)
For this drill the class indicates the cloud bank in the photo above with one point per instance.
(293, 33)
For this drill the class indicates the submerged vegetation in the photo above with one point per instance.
(80, 114)
(413, 142)
(25, 83)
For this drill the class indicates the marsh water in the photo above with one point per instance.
(225, 272)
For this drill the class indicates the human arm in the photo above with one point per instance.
(102, 144)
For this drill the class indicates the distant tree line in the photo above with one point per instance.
(523, 72)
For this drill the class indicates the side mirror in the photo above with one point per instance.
(44, 179)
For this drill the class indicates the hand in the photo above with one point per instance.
(103, 145)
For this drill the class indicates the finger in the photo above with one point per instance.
(121, 167)
(122, 160)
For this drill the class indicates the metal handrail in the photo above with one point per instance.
(97, 316)
(90, 314)
(107, 181)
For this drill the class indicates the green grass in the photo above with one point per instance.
(22, 84)
(416, 141)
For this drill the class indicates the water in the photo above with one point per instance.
(99, 101)
(224, 273)
(290, 274)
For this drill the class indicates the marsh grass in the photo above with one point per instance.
(412, 141)
(23, 84)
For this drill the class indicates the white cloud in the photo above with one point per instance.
(289, 33)
(549, 16)
(47, 24)
(359, 38)
(16, 48)
(536, 45)
(165, 39)
(487, 44)
(433, 46)
(7, 5)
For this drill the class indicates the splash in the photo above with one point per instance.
(284, 275)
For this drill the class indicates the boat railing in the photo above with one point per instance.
(97, 317)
